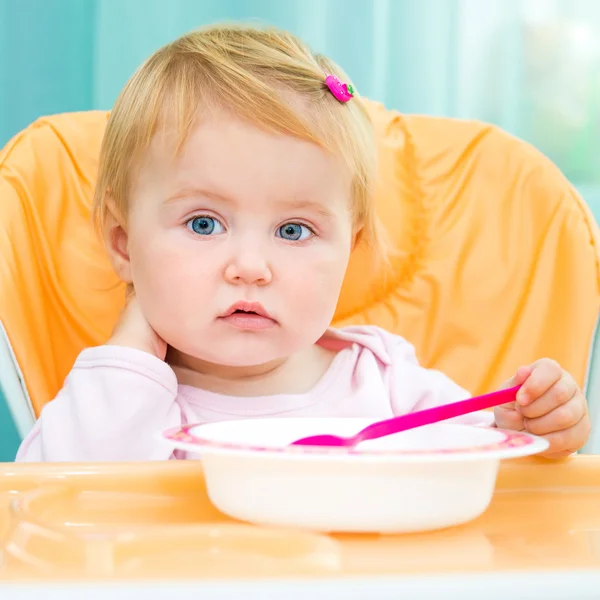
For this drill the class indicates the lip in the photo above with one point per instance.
(252, 317)
(247, 307)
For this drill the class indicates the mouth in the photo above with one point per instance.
(248, 316)
(247, 308)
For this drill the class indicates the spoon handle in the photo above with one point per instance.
(437, 413)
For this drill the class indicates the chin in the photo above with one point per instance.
(246, 357)
(245, 362)
(251, 354)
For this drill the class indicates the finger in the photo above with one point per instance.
(560, 419)
(520, 376)
(560, 393)
(544, 374)
(508, 418)
(567, 441)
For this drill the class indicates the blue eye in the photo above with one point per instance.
(205, 225)
(294, 232)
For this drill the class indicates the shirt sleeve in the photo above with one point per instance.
(114, 402)
(415, 388)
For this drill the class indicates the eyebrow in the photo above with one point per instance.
(316, 207)
(187, 193)
(295, 204)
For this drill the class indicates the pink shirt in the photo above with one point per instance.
(116, 399)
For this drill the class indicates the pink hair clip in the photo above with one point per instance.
(342, 91)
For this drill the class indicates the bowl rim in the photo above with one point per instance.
(513, 444)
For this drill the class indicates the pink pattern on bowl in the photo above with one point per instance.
(511, 439)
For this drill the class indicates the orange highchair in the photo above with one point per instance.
(498, 263)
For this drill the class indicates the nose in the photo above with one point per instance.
(249, 266)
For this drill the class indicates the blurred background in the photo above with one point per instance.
(530, 66)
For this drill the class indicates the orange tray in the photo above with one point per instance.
(153, 521)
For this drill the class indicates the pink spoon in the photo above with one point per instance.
(413, 420)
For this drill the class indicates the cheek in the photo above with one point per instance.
(316, 281)
(155, 264)
(167, 257)
(169, 277)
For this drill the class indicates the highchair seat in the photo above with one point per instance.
(497, 261)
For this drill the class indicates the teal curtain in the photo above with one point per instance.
(530, 66)
(9, 436)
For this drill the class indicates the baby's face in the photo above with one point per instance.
(240, 216)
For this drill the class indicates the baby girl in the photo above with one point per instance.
(236, 176)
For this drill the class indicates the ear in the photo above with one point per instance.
(117, 241)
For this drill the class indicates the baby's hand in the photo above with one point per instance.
(133, 331)
(549, 404)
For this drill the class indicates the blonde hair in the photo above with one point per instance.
(249, 71)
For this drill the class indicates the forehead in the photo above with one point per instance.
(235, 158)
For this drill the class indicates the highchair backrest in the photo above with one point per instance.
(498, 261)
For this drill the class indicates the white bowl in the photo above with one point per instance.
(426, 478)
